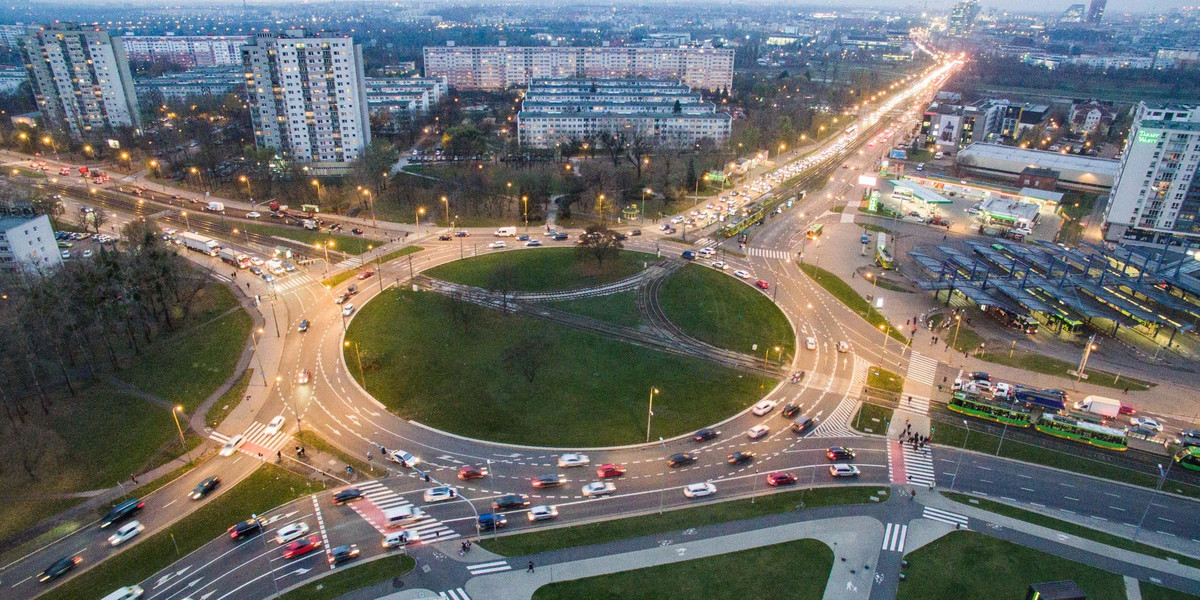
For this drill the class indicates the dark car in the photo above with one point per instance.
(790, 410)
(705, 434)
(349, 495)
(979, 376)
(121, 512)
(681, 458)
(357, 231)
(636, 232)
(204, 487)
(445, 237)
(560, 236)
(524, 237)
(552, 480)
(342, 554)
(1188, 441)
(803, 424)
(245, 528)
(489, 521)
(466, 472)
(839, 453)
(510, 502)
(738, 458)
(620, 237)
(461, 234)
(59, 568)
(781, 478)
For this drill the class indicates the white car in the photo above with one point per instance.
(843, 470)
(810, 342)
(126, 531)
(274, 426)
(707, 252)
(1146, 423)
(291, 532)
(699, 490)
(440, 494)
(598, 488)
(232, 445)
(573, 460)
(403, 458)
(720, 265)
(400, 538)
(763, 407)
(347, 310)
(740, 274)
(252, 215)
(542, 513)
(495, 245)
(757, 431)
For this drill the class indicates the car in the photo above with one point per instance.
(843, 346)
(267, 277)
(490, 521)
(59, 568)
(524, 237)
(781, 478)
(542, 512)
(439, 494)
(1186, 440)
(1127, 409)
(839, 453)
(66, 254)
(302, 546)
(699, 490)
(810, 343)
(402, 458)
(342, 298)
(573, 460)
(348, 495)
(342, 554)
(253, 215)
(509, 502)
(719, 265)
(707, 251)
(462, 234)
(467, 472)
(444, 237)
(121, 512)
(763, 407)
(398, 539)
(740, 274)
(244, 529)
(762, 284)
(598, 488)
(790, 410)
(365, 274)
(125, 532)
(347, 310)
(552, 480)
(705, 434)
(357, 231)
(738, 458)
(303, 326)
(1146, 423)
(232, 445)
(610, 470)
(353, 289)
(129, 592)
(303, 376)
(497, 244)
(681, 458)
(291, 532)
(533, 243)
(843, 470)
(636, 232)
(920, 166)
(1192, 433)
(203, 488)
(757, 431)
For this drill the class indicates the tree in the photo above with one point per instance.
(501, 279)
(374, 167)
(600, 243)
(528, 354)
(678, 108)
(692, 181)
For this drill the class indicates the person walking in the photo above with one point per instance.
(530, 569)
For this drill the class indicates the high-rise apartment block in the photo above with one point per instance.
(1096, 11)
(187, 50)
(308, 99)
(962, 17)
(1156, 196)
(501, 67)
(81, 80)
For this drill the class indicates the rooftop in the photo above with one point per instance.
(1041, 158)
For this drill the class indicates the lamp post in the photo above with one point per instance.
(446, 203)
(154, 167)
(317, 184)
(601, 208)
(961, 452)
(645, 191)
(1162, 478)
(357, 354)
(186, 222)
(198, 174)
(49, 141)
(246, 180)
(174, 415)
(326, 246)
(662, 493)
(371, 204)
(883, 346)
(957, 326)
(417, 219)
(258, 357)
(1087, 353)
(650, 412)
(525, 201)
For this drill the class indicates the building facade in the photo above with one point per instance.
(399, 100)
(1096, 11)
(308, 98)
(27, 243)
(962, 17)
(81, 80)
(501, 67)
(1156, 196)
(187, 50)
(201, 81)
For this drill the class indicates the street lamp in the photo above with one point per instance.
(357, 354)
(601, 208)
(198, 174)
(957, 326)
(662, 493)
(174, 415)
(417, 221)
(186, 223)
(525, 201)
(317, 184)
(1162, 478)
(153, 166)
(326, 246)
(650, 412)
(246, 180)
(645, 191)
(257, 356)
(446, 203)
(961, 452)
(883, 347)
(49, 141)
(371, 203)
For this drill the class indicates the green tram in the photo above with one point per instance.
(1084, 432)
(1000, 412)
(1189, 458)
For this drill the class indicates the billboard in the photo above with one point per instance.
(867, 180)
(898, 154)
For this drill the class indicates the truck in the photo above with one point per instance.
(200, 243)
(1099, 405)
(234, 258)
(217, 207)
(506, 232)
(310, 224)
(1037, 398)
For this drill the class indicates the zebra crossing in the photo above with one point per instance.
(837, 424)
(293, 282)
(489, 567)
(764, 253)
(918, 465)
(383, 498)
(893, 537)
(922, 369)
(455, 594)
(705, 242)
(945, 516)
(916, 404)
(256, 437)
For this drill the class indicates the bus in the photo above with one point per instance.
(1189, 458)
(981, 408)
(815, 230)
(1083, 432)
(883, 257)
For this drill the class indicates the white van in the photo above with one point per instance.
(399, 517)
(129, 592)
(506, 232)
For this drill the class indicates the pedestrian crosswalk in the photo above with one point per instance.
(893, 537)
(256, 439)
(837, 423)
(916, 404)
(922, 369)
(293, 282)
(945, 516)
(383, 498)
(918, 465)
(705, 242)
(847, 216)
(455, 594)
(489, 567)
(764, 253)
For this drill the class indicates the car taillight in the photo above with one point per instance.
(141, 505)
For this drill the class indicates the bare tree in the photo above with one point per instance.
(501, 279)
(528, 354)
(599, 242)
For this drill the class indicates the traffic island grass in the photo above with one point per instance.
(568, 386)
(370, 264)
(618, 309)
(1157, 592)
(265, 489)
(541, 269)
(679, 519)
(872, 418)
(346, 244)
(965, 564)
(847, 296)
(770, 571)
(1074, 529)
(310, 440)
(352, 576)
(699, 299)
(884, 384)
(229, 400)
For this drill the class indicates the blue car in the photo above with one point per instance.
(489, 521)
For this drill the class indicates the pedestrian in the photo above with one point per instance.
(530, 570)
(1125, 391)
(910, 400)
(278, 456)
(247, 285)
(134, 478)
(906, 423)
(943, 237)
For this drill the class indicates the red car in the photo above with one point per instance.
(366, 274)
(472, 472)
(762, 284)
(302, 546)
(1127, 409)
(781, 478)
(610, 470)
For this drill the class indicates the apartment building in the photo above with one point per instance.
(187, 50)
(27, 243)
(201, 81)
(402, 99)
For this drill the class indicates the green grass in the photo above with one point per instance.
(340, 277)
(21, 514)
(838, 209)
(348, 244)
(874, 228)
(419, 363)
(700, 301)
(846, 294)
(351, 577)
(405, 251)
(229, 400)
(723, 576)
(315, 442)
(883, 379)
(263, 490)
(676, 520)
(371, 264)
(1158, 592)
(865, 419)
(619, 308)
(543, 269)
(965, 564)
(1079, 531)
